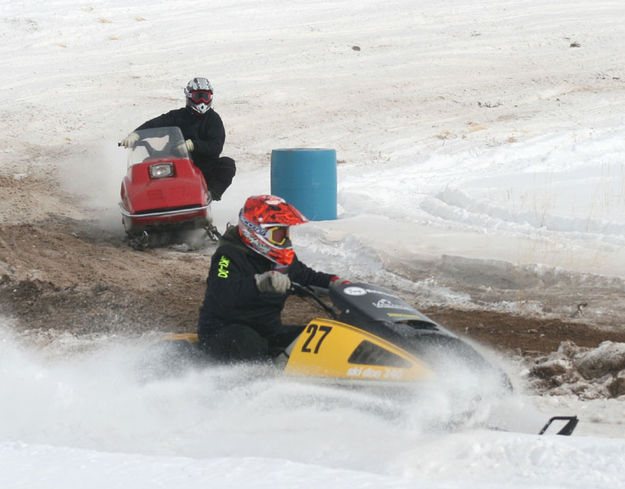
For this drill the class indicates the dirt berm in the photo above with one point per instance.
(70, 276)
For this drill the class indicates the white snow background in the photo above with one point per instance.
(482, 137)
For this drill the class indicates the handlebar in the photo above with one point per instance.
(308, 291)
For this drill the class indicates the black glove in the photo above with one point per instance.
(272, 282)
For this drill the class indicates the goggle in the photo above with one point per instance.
(202, 96)
(278, 235)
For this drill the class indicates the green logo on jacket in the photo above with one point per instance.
(222, 271)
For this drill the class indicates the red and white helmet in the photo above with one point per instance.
(264, 224)
(199, 94)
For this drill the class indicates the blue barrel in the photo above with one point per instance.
(306, 178)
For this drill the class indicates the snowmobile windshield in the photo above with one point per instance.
(160, 143)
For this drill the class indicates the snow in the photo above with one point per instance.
(484, 137)
(89, 419)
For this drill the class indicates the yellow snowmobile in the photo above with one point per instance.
(374, 338)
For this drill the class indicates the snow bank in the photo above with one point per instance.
(589, 373)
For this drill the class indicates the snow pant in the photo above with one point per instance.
(234, 343)
(218, 174)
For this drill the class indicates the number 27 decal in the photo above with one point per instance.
(312, 331)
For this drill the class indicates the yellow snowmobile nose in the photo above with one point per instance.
(333, 349)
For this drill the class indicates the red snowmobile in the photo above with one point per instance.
(163, 195)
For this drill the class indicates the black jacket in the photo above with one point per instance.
(231, 293)
(205, 130)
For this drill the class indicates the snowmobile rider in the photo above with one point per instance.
(204, 135)
(248, 281)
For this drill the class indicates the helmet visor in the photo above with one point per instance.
(202, 96)
(278, 235)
